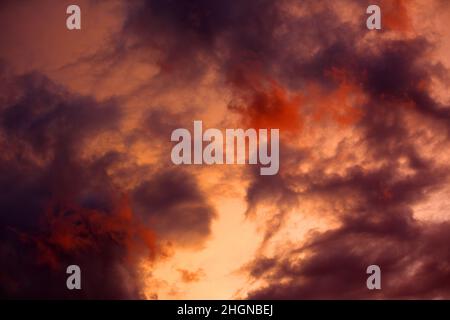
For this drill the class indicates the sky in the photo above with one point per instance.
(86, 176)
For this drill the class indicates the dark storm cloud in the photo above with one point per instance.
(170, 197)
(175, 204)
(43, 128)
(414, 265)
(189, 35)
(60, 208)
(47, 192)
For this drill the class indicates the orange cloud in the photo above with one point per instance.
(264, 103)
(73, 230)
(395, 15)
(342, 104)
(191, 276)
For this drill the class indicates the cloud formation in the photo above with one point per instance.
(60, 207)
(364, 120)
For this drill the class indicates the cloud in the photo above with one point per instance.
(174, 204)
(191, 276)
(371, 194)
(329, 85)
(186, 37)
(87, 179)
(63, 206)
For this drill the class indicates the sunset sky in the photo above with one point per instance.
(86, 176)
